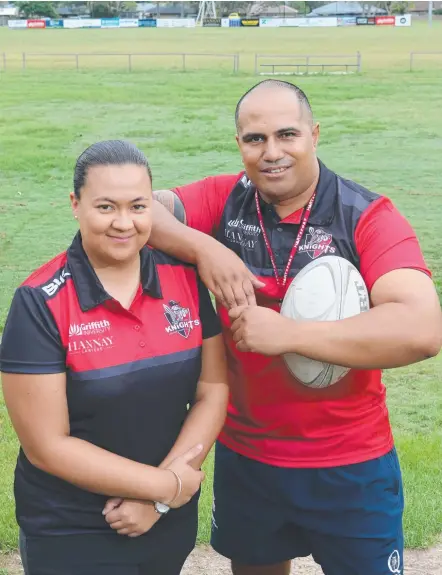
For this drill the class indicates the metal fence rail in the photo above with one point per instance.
(306, 62)
(265, 64)
(413, 54)
(26, 56)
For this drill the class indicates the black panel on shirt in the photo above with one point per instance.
(31, 342)
(209, 318)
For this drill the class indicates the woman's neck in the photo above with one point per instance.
(120, 279)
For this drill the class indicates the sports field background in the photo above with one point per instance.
(382, 128)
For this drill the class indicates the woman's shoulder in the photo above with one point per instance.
(161, 259)
(52, 269)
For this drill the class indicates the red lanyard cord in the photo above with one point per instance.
(304, 220)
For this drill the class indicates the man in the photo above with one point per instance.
(300, 471)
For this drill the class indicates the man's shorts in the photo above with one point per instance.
(349, 518)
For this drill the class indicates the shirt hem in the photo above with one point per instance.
(311, 462)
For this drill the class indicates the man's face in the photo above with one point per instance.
(278, 143)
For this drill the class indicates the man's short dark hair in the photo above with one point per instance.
(302, 98)
(107, 153)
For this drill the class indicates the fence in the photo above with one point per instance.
(28, 57)
(413, 54)
(307, 62)
(265, 64)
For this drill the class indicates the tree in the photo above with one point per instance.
(394, 7)
(110, 9)
(226, 8)
(401, 7)
(36, 9)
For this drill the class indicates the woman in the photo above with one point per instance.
(114, 377)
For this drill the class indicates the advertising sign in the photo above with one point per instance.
(36, 23)
(347, 21)
(54, 23)
(176, 23)
(147, 23)
(212, 22)
(364, 21)
(403, 20)
(385, 20)
(17, 23)
(110, 22)
(82, 23)
(313, 22)
(225, 22)
(128, 22)
(250, 22)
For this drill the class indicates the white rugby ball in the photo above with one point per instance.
(328, 289)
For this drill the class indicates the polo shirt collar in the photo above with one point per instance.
(90, 290)
(325, 203)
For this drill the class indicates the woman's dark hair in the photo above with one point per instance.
(107, 153)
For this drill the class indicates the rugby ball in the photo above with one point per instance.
(328, 289)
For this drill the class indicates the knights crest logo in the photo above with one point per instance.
(317, 243)
(179, 319)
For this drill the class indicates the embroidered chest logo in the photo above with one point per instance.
(179, 319)
(317, 243)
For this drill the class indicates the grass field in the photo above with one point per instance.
(381, 47)
(382, 128)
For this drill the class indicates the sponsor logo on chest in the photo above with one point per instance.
(179, 319)
(89, 338)
(241, 233)
(91, 328)
(91, 345)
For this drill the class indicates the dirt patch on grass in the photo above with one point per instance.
(204, 561)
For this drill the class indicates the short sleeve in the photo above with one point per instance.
(204, 201)
(385, 241)
(31, 342)
(210, 322)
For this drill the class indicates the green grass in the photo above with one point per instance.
(381, 128)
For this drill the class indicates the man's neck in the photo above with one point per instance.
(287, 207)
(291, 205)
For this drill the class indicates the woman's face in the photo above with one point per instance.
(114, 212)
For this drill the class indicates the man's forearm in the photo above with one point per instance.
(385, 337)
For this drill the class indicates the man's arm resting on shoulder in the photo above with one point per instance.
(221, 270)
(170, 233)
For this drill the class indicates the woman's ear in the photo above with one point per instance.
(74, 204)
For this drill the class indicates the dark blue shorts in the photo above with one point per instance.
(349, 518)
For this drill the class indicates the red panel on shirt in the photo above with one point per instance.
(385, 241)
(204, 201)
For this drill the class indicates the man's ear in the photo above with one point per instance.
(315, 135)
